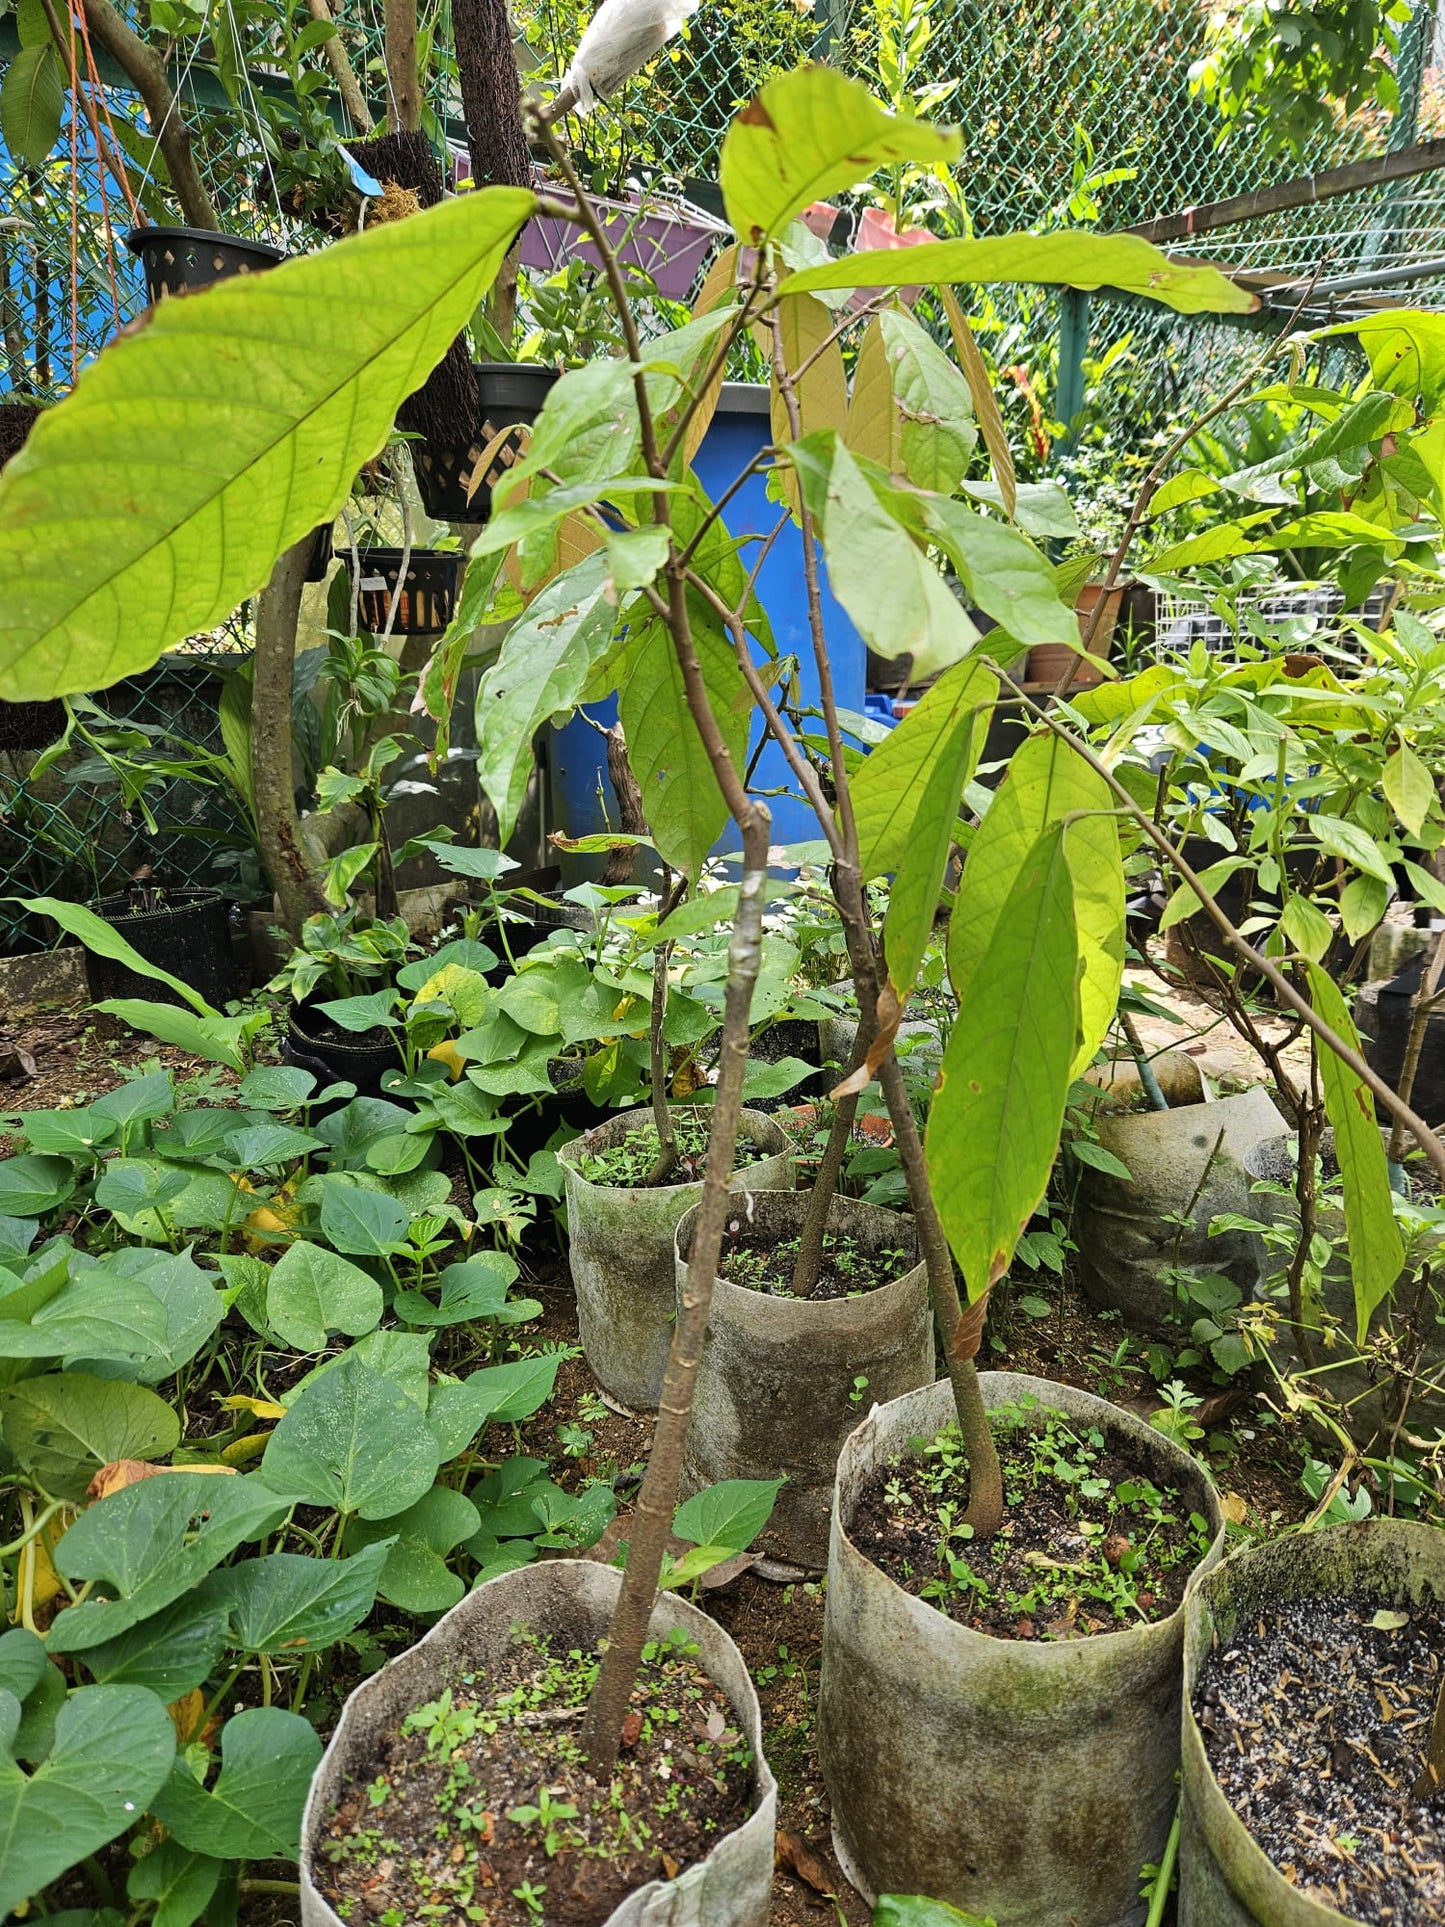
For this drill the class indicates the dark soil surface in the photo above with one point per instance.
(1316, 1723)
(847, 1269)
(1076, 1555)
(490, 1785)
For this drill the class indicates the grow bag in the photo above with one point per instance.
(425, 595)
(189, 935)
(1382, 1012)
(574, 1599)
(1225, 1880)
(622, 1254)
(1024, 1780)
(332, 1055)
(178, 259)
(1185, 1160)
(775, 1387)
(508, 393)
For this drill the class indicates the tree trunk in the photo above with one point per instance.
(145, 69)
(347, 85)
(278, 606)
(403, 80)
(491, 94)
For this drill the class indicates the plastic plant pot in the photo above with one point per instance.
(1020, 1779)
(572, 1599)
(178, 260)
(622, 1256)
(425, 595)
(667, 240)
(188, 934)
(509, 394)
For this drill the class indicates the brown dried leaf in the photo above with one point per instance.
(120, 1473)
(632, 1731)
(792, 1855)
(16, 1066)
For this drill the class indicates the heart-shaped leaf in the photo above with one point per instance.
(353, 1442)
(180, 1883)
(289, 1602)
(368, 1224)
(731, 1513)
(172, 1652)
(63, 1427)
(312, 1292)
(475, 1289)
(254, 1810)
(113, 1748)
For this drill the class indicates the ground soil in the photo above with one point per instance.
(846, 1271)
(1316, 1723)
(684, 1777)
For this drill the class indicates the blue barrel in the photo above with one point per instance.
(740, 428)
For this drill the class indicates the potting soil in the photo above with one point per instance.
(629, 1164)
(480, 1806)
(1316, 1717)
(848, 1269)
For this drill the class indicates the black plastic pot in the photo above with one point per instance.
(177, 260)
(428, 591)
(31, 725)
(318, 562)
(1383, 1015)
(334, 1055)
(508, 393)
(188, 934)
(528, 932)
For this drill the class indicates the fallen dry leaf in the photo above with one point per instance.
(120, 1473)
(16, 1066)
(185, 1715)
(670, 1866)
(792, 1855)
(1234, 1508)
(631, 1729)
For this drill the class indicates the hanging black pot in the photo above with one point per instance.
(425, 597)
(508, 393)
(31, 725)
(188, 933)
(334, 1055)
(177, 260)
(17, 418)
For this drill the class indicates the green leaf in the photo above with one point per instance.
(312, 1293)
(1376, 1253)
(254, 1810)
(731, 1513)
(69, 1310)
(74, 919)
(180, 1883)
(171, 1653)
(63, 1427)
(898, 600)
(1004, 575)
(1065, 259)
(352, 1442)
(217, 1039)
(810, 134)
(1307, 928)
(139, 1099)
(289, 1602)
(257, 1145)
(507, 1393)
(546, 659)
(74, 1134)
(22, 1662)
(1046, 782)
(890, 785)
(151, 1542)
(31, 1186)
(475, 1289)
(113, 1748)
(365, 1223)
(912, 1910)
(1363, 901)
(276, 1087)
(993, 1131)
(191, 1305)
(1409, 789)
(288, 381)
(1352, 845)
(937, 432)
(32, 103)
(343, 870)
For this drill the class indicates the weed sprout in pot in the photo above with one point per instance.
(1025, 1772)
(621, 1232)
(414, 1790)
(1312, 1677)
(784, 1379)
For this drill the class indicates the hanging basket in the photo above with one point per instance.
(17, 418)
(177, 260)
(508, 393)
(428, 593)
(31, 725)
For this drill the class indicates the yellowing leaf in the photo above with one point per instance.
(257, 1407)
(242, 1451)
(446, 1053)
(186, 1715)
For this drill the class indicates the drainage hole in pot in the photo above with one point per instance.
(630, 1164)
(479, 1805)
(1091, 1544)
(1316, 1718)
(848, 1269)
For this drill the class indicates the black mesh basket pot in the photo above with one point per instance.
(333, 1055)
(177, 259)
(508, 393)
(427, 596)
(31, 725)
(188, 934)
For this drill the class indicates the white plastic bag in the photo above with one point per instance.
(621, 36)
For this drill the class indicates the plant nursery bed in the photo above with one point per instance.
(1316, 1718)
(489, 1787)
(847, 1270)
(1089, 1544)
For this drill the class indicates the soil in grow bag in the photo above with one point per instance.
(847, 1270)
(480, 1806)
(1090, 1543)
(628, 1166)
(1316, 1718)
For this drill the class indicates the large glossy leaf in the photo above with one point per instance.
(731, 1513)
(365, 1223)
(352, 1442)
(545, 661)
(993, 1131)
(1047, 782)
(889, 787)
(936, 431)
(896, 597)
(1376, 1253)
(217, 1039)
(113, 1748)
(31, 1185)
(807, 135)
(32, 101)
(64, 1426)
(253, 1812)
(1067, 259)
(289, 1602)
(313, 1292)
(151, 1542)
(239, 418)
(913, 899)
